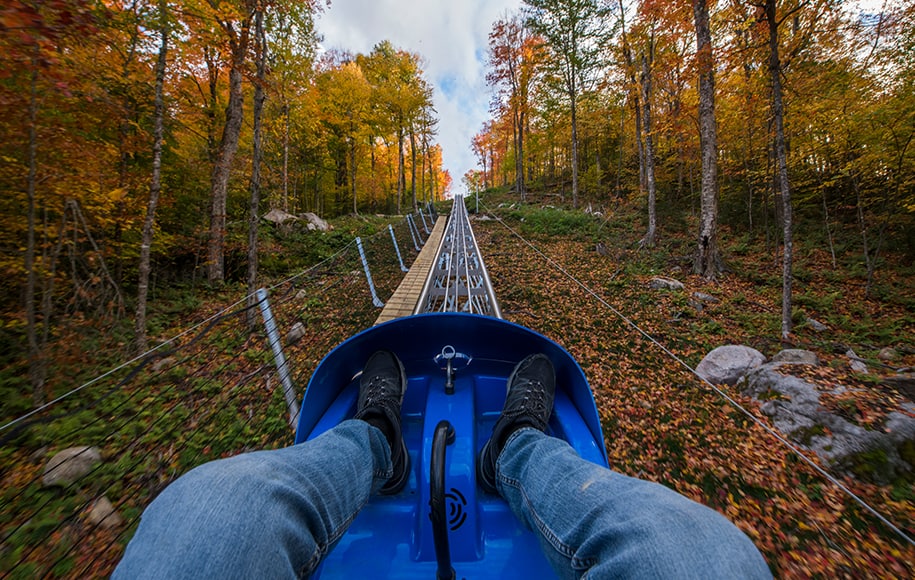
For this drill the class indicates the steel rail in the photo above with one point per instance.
(458, 280)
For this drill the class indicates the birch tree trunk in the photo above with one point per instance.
(256, 157)
(650, 236)
(36, 362)
(708, 262)
(781, 160)
(227, 147)
(154, 185)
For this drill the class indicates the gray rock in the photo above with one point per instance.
(295, 334)
(816, 326)
(661, 283)
(797, 356)
(278, 216)
(103, 514)
(888, 354)
(856, 363)
(162, 364)
(314, 222)
(70, 464)
(704, 297)
(301, 294)
(794, 406)
(728, 363)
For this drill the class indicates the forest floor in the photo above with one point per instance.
(660, 422)
(663, 424)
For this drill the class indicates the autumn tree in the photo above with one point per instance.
(576, 32)
(155, 183)
(707, 261)
(514, 59)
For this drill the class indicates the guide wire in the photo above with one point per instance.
(873, 511)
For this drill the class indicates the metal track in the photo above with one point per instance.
(458, 281)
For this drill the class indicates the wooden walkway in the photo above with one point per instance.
(404, 299)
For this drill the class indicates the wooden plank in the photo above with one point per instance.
(404, 299)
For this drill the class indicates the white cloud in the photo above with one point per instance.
(450, 35)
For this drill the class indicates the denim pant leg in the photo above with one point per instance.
(268, 514)
(595, 522)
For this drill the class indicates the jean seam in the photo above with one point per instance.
(334, 537)
(554, 540)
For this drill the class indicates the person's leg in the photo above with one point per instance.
(268, 514)
(595, 522)
(275, 514)
(592, 521)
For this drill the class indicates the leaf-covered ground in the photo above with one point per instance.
(663, 424)
(659, 421)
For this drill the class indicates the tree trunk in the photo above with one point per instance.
(285, 157)
(256, 158)
(413, 164)
(574, 98)
(154, 184)
(222, 170)
(519, 161)
(400, 169)
(708, 262)
(650, 236)
(781, 159)
(36, 362)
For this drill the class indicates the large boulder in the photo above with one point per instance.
(314, 222)
(726, 364)
(70, 464)
(794, 405)
(279, 217)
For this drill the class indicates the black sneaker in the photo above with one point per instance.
(381, 389)
(528, 403)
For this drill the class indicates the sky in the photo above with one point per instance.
(451, 36)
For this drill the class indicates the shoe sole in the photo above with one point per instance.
(393, 487)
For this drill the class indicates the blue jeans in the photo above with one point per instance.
(273, 514)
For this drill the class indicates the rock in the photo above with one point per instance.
(314, 222)
(301, 294)
(816, 326)
(888, 354)
(728, 363)
(794, 406)
(279, 217)
(70, 464)
(661, 283)
(704, 297)
(103, 514)
(162, 364)
(904, 383)
(295, 334)
(857, 365)
(797, 356)
(602, 250)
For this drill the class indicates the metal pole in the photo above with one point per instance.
(414, 232)
(368, 275)
(422, 216)
(397, 249)
(282, 369)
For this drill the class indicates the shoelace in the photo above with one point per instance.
(380, 390)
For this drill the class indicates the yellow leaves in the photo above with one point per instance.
(118, 194)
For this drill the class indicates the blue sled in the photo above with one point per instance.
(393, 536)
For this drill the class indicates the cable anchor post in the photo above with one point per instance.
(368, 275)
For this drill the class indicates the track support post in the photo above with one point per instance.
(368, 275)
(414, 232)
(282, 369)
(397, 249)
(422, 216)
